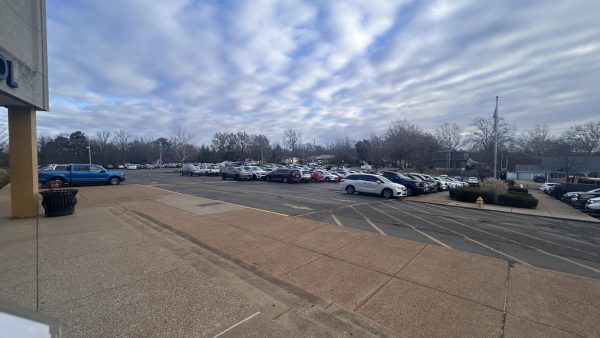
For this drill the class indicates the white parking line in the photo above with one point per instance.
(435, 240)
(528, 246)
(335, 219)
(369, 221)
(237, 324)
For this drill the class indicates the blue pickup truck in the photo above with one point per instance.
(79, 174)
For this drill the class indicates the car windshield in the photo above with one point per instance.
(385, 180)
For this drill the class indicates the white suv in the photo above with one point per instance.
(256, 173)
(372, 184)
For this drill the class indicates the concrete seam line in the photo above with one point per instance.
(237, 324)
(502, 325)
(372, 294)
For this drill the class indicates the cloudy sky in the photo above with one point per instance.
(328, 68)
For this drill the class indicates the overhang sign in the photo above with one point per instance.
(7, 72)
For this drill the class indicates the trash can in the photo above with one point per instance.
(59, 202)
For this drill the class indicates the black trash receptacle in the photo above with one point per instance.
(59, 202)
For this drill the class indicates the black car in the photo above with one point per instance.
(539, 178)
(431, 184)
(582, 198)
(413, 187)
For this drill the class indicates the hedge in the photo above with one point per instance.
(517, 200)
(517, 189)
(511, 183)
(471, 194)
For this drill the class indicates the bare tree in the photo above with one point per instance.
(483, 136)
(292, 138)
(583, 138)
(102, 137)
(448, 136)
(181, 139)
(535, 142)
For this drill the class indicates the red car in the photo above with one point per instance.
(317, 177)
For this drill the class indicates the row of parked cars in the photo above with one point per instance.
(387, 183)
(587, 200)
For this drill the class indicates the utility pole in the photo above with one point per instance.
(90, 150)
(496, 139)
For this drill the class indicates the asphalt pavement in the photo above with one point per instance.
(562, 245)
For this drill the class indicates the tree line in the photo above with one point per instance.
(403, 144)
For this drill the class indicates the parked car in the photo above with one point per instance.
(593, 205)
(256, 173)
(131, 166)
(329, 177)
(473, 181)
(79, 174)
(544, 187)
(306, 176)
(372, 184)
(539, 178)
(413, 187)
(234, 172)
(571, 196)
(580, 200)
(441, 184)
(189, 169)
(317, 177)
(285, 175)
(431, 186)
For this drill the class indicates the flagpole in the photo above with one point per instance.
(496, 139)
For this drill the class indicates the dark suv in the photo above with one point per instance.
(285, 175)
(413, 187)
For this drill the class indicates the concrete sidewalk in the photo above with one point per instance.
(136, 260)
(548, 206)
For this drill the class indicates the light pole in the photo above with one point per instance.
(89, 147)
(496, 139)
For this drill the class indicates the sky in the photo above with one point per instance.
(330, 69)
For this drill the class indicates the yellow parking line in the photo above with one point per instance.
(335, 219)
(412, 227)
(369, 221)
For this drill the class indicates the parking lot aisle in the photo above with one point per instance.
(461, 240)
(414, 228)
(368, 220)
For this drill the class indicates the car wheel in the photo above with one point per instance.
(191, 174)
(254, 177)
(327, 179)
(181, 173)
(409, 192)
(285, 180)
(223, 177)
(350, 190)
(59, 182)
(268, 178)
(387, 193)
(114, 181)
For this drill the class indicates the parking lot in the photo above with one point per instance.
(569, 246)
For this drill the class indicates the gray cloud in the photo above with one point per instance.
(331, 69)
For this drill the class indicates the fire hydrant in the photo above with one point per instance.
(479, 202)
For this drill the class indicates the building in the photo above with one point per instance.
(23, 90)
(450, 160)
(558, 167)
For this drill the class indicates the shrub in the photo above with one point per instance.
(471, 194)
(517, 200)
(517, 189)
(494, 187)
(511, 183)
